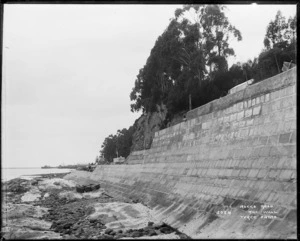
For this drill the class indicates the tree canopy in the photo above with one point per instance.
(117, 145)
(279, 46)
(185, 59)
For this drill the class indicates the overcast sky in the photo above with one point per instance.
(69, 69)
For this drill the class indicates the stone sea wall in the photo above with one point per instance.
(229, 171)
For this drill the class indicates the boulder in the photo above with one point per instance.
(107, 236)
(93, 220)
(150, 224)
(34, 182)
(79, 189)
(166, 230)
(152, 233)
(108, 231)
(136, 234)
(118, 236)
(87, 188)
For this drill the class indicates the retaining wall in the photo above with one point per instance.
(229, 171)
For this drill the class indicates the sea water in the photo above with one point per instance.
(11, 173)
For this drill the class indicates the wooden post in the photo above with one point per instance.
(190, 102)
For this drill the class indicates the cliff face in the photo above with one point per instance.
(146, 126)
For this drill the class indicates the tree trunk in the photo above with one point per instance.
(277, 64)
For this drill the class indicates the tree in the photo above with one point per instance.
(215, 31)
(117, 145)
(280, 46)
(190, 52)
(109, 148)
(276, 32)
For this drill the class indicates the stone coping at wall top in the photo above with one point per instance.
(263, 87)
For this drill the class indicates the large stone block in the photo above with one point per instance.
(257, 110)
(284, 138)
(288, 101)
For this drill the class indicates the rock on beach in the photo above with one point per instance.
(56, 208)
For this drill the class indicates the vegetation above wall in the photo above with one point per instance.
(189, 61)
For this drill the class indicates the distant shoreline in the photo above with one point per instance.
(46, 175)
(21, 168)
(11, 173)
(47, 167)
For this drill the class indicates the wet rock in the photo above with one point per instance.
(67, 225)
(150, 224)
(136, 234)
(108, 231)
(80, 189)
(118, 236)
(107, 236)
(34, 182)
(166, 230)
(87, 188)
(67, 231)
(16, 186)
(152, 233)
(89, 210)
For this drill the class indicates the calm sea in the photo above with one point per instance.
(11, 173)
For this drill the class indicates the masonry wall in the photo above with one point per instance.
(233, 159)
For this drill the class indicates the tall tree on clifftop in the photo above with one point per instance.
(185, 59)
(279, 32)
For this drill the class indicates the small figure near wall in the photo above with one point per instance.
(184, 117)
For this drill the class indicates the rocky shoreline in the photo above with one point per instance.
(50, 207)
